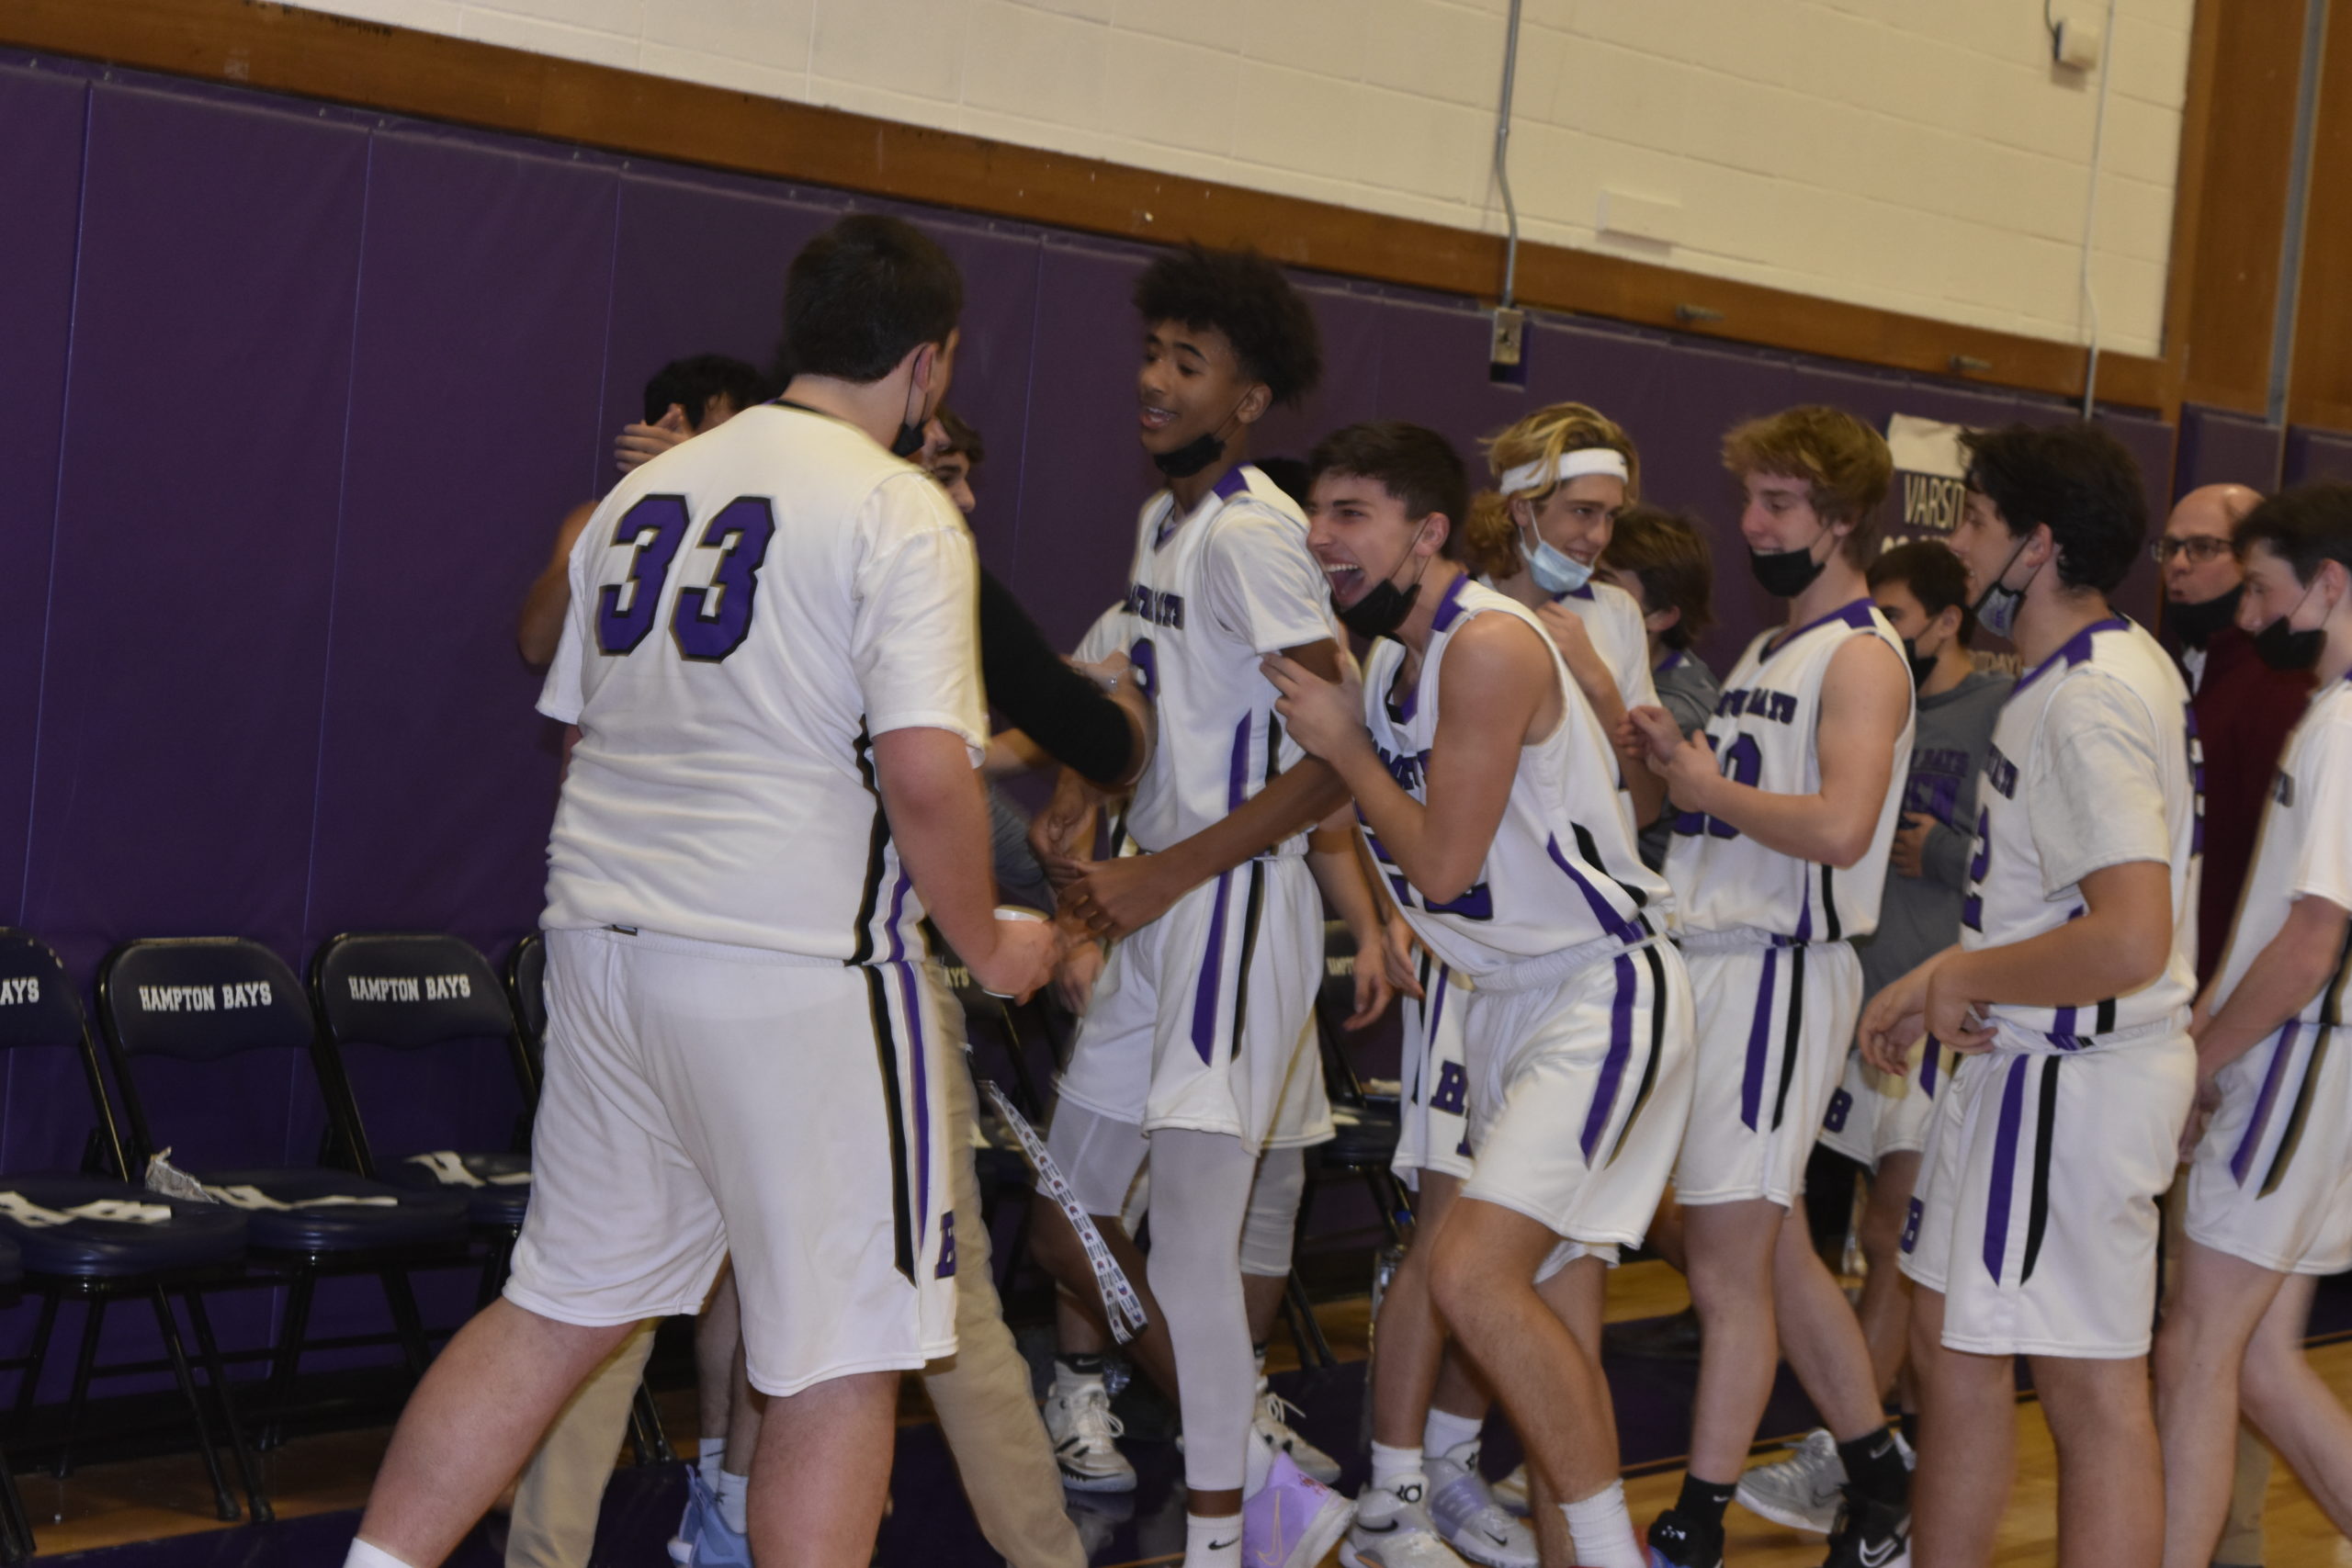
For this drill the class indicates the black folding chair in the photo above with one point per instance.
(405, 992)
(202, 1001)
(527, 980)
(64, 1246)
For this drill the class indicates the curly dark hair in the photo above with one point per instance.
(2077, 478)
(691, 383)
(1247, 298)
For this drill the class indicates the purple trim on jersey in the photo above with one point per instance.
(2077, 649)
(1612, 922)
(1437, 998)
(1759, 1043)
(1932, 1054)
(1855, 612)
(1584, 592)
(1449, 608)
(1613, 1067)
(1804, 915)
(2004, 1162)
(899, 907)
(1236, 480)
(1211, 973)
(922, 1104)
(2062, 1032)
(2280, 1053)
(1673, 660)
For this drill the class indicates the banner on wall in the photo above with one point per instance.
(1929, 474)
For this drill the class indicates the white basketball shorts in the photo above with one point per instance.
(702, 1099)
(1774, 1026)
(2272, 1182)
(2036, 1209)
(1203, 1018)
(1871, 1116)
(1579, 1091)
(1433, 1107)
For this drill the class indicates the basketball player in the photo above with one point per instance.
(2270, 1187)
(1194, 1030)
(1878, 1123)
(684, 397)
(2034, 1230)
(1784, 816)
(1562, 474)
(711, 1013)
(1488, 793)
(1661, 559)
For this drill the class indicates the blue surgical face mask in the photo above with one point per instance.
(1556, 571)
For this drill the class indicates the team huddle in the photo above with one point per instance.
(1652, 937)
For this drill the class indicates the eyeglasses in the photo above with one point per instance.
(2202, 548)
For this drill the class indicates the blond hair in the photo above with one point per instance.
(1543, 435)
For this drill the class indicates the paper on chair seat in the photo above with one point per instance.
(244, 1197)
(448, 1167)
(122, 1210)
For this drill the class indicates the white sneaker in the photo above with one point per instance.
(1467, 1516)
(1392, 1529)
(1804, 1491)
(1268, 1421)
(1084, 1434)
(1510, 1493)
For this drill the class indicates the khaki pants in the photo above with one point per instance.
(981, 1394)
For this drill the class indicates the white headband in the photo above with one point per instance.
(1572, 465)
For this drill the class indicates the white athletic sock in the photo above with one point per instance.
(363, 1555)
(709, 1458)
(1390, 1465)
(1211, 1543)
(735, 1501)
(1444, 1432)
(1602, 1530)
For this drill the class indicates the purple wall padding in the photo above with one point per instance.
(2221, 447)
(2317, 455)
(297, 396)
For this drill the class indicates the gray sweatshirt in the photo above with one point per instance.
(1687, 690)
(1920, 915)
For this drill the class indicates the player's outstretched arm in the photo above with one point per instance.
(1340, 873)
(1116, 896)
(939, 819)
(1865, 699)
(540, 626)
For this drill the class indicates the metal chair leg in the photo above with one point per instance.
(645, 1436)
(224, 1502)
(16, 1544)
(84, 1362)
(256, 1499)
(406, 1320)
(288, 1358)
(1304, 1330)
(28, 1383)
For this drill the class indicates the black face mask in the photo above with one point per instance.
(908, 442)
(1199, 452)
(1784, 574)
(1383, 608)
(1922, 664)
(2196, 623)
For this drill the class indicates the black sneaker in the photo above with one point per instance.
(1870, 1534)
(1679, 1542)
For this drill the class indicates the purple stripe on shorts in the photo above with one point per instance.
(1238, 779)
(1212, 970)
(1613, 1067)
(2282, 1050)
(1604, 914)
(922, 1104)
(2005, 1163)
(1759, 1043)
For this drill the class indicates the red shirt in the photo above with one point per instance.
(2244, 709)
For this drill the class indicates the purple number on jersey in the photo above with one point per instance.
(625, 610)
(711, 623)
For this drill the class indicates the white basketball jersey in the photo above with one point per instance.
(2012, 892)
(2306, 846)
(1563, 870)
(1763, 733)
(1212, 594)
(1612, 619)
(749, 610)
